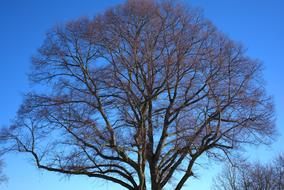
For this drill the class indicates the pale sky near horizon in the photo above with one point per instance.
(257, 24)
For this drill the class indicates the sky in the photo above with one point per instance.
(257, 24)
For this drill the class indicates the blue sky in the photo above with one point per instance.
(257, 24)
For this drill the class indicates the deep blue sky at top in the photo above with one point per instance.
(257, 24)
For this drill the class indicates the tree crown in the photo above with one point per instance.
(143, 89)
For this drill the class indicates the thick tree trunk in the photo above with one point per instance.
(142, 187)
(155, 185)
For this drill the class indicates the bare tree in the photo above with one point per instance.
(278, 169)
(138, 94)
(251, 176)
(227, 179)
(3, 178)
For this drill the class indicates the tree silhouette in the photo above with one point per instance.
(3, 178)
(137, 94)
(252, 176)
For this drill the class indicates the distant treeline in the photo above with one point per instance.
(243, 175)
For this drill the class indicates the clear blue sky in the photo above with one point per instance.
(258, 24)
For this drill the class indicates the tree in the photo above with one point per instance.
(139, 94)
(3, 178)
(278, 168)
(252, 176)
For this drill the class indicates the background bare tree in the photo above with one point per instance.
(278, 167)
(252, 176)
(138, 94)
(3, 177)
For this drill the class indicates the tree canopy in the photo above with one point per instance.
(137, 94)
(244, 175)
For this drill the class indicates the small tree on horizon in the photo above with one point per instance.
(137, 95)
(244, 175)
(3, 178)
